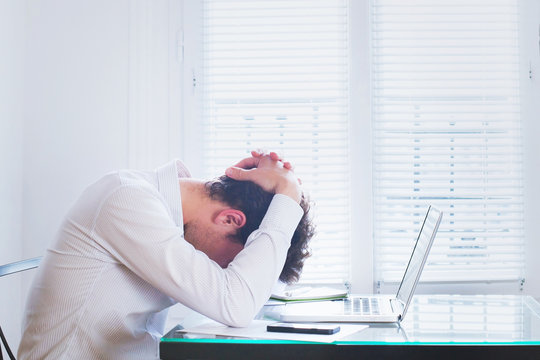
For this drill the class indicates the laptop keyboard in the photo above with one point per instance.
(362, 306)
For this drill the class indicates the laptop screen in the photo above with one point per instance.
(419, 255)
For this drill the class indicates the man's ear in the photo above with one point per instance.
(231, 217)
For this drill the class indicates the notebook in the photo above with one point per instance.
(372, 308)
(307, 293)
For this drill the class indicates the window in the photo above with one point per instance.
(275, 75)
(446, 115)
(440, 118)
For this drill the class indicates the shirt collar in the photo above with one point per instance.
(169, 187)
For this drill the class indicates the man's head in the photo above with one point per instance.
(245, 206)
(211, 226)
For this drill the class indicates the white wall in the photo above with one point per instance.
(11, 153)
(91, 87)
(76, 113)
(530, 117)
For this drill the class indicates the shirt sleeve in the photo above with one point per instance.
(134, 225)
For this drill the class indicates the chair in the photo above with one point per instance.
(9, 269)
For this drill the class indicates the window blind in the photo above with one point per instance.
(276, 77)
(446, 131)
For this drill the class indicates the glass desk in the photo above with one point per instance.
(436, 327)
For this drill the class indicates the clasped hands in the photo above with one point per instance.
(270, 172)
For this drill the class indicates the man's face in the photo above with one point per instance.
(213, 241)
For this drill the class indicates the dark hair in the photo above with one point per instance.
(253, 201)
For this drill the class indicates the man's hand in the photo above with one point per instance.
(269, 172)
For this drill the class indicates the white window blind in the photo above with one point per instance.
(276, 77)
(446, 130)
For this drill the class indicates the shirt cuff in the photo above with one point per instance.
(283, 215)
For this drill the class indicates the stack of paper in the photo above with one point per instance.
(257, 330)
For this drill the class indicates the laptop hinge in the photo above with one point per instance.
(397, 307)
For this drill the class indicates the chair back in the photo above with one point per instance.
(9, 269)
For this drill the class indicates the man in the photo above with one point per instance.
(135, 243)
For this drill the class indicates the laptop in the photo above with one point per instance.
(371, 308)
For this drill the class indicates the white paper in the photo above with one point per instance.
(257, 330)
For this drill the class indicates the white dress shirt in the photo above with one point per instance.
(120, 261)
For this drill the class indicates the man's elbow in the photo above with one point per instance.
(241, 324)
(240, 320)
